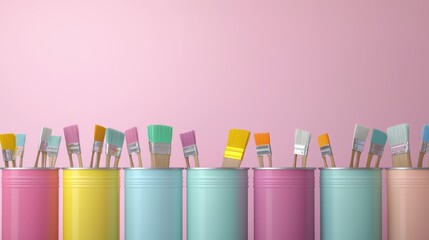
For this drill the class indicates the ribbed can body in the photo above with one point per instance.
(153, 204)
(217, 203)
(350, 204)
(30, 204)
(407, 204)
(284, 203)
(91, 204)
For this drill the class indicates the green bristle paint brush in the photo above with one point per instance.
(160, 137)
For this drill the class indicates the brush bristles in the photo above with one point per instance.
(378, 137)
(20, 140)
(236, 144)
(160, 133)
(262, 139)
(99, 133)
(54, 141)
(132, 135)
(46, 132)
(302, 137)
(71, 134)
(360, 133)
(425, 133)
(114, 137)
(8, 141)
(398, 134)
(188, 139)
(323, 140)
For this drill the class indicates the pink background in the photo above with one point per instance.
(214, 65)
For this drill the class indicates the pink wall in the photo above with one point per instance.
(214, 65)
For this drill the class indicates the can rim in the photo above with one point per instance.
(217, 168)
(407, 168)
(347, 168)
(89, 168)
(284, 168)
(145, 168)
(29, 168)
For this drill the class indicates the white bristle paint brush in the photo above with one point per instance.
(302, 142)
(46, 132)
(52, 149)
(399, 145)
(359, 137)
(71, 135)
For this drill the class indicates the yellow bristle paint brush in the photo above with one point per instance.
(263, 148)
(97, 148)
(8, 145)
(326, 149)
(302, 142)
(235, 148)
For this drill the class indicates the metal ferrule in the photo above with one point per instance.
(358, 145)
(190, 150)
(263, 150)
(113, 150)
(425, 147)
(8, 155)
(300, 150)
(376, 149)
(400, 149)
(234, 153)
(133, 148)
(19, 151)
(326, 150)
(42, 146)
(97, 147)
(160, 148)
(52, 151)
(73, 148)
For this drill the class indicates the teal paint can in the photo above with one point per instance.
(350, 203)
(217, 203)
(153, 203)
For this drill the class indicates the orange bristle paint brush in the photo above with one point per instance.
(263, 148)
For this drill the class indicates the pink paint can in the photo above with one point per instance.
(284, 203)
(30, 203)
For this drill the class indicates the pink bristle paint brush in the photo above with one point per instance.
(133, 145)
(71, 134)
(189, 144)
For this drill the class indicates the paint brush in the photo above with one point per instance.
(160, 137)
(263, 148)
(97, 148)
(359, 137)
(114, 143)
(52, 149)
(326, 150)
(46, 132)
(399, 145)
(20, 147)
(302, 143)
(133, 145)
(8, 145)
(378, 140)
(71, 134)
(189, 144)
(235, 148)
(425, 145)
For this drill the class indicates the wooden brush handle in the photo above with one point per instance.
(270, 160)
(117, 162)
(37, 159)
(71, 160)
(325, 163)
(14, 163)
(197, 161)
(295, 157)
(91, 164)
(187, 162)
(304, 161)
(261, 161)
(377, 163)
(332, 161)
(420, 162)
(357, 159)
(97, 163)
(108, 161)
(139, 156)
(352, 159)
(6, 164)
(131, 161)
(44, 159)
(369, 160)
(21, 158)
(79, 158)
(51, 162)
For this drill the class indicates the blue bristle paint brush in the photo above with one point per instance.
(425, 145)
(378, 141)
(20, 147)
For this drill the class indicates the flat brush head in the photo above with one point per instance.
(425, 133)
(54, 141)
(398, 134)
(46, 132)
(131, 135)
(114, 137)
(20, 140)
(8, 141)
(99, 133)
(188, 138)
(378, 137)
(302, 137)
(160, 134)
(262, 138)
(361, 132)
(323, 140)
(71, 134)
(236, 144)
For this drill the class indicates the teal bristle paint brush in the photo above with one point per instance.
(189, 144)
(46, 132)
(425, 145)
(378, 140)
(20, 147)
(114, 143)
(399, 136)
(52, 149)
(160, 137)
(359, 137)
